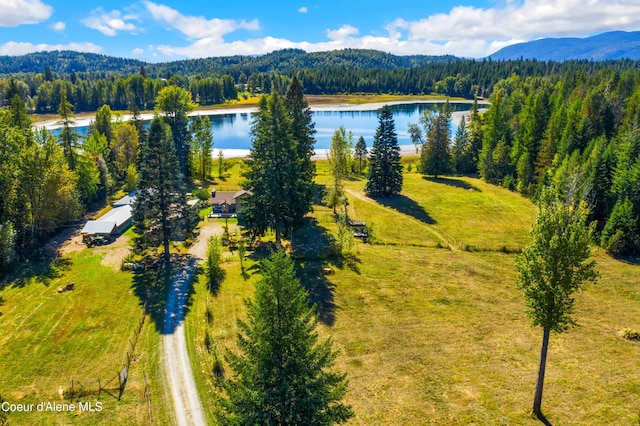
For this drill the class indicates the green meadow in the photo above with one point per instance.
(427, 320)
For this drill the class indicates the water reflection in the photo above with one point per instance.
(231, 131)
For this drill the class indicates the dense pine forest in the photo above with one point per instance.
(91, 81)
(547, 123)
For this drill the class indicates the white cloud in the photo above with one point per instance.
(18, 12)
(464, 31)
(198, 27)
(137, 52)
(342, 33)
(19, 48)
(59, 26)
(110, 23)
(303, 9)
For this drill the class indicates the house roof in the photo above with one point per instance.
(127, 200)
(98, 227)
(119, 215)
(222, 197)
(241, 193)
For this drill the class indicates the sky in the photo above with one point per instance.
(167, 30)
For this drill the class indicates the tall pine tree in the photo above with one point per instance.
(385, 169)
(283, 373)
(175, 103)
(281, 188)
(302, 131)
(160, 212)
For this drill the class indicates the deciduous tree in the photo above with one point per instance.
(554, 266)
(201, 160)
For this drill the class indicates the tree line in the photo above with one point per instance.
(539, 130)
(216, 80)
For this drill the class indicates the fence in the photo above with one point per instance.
(78, 390)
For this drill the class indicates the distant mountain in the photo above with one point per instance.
(607, 46)
(67, 62)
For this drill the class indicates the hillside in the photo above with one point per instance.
(607, 46)
(66, 62)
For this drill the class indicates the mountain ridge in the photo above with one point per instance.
(611, 45)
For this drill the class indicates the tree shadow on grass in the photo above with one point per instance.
(406, 205)
(162, 290)
(544, 420)
(452, 182)
(43, 271)
(321, 290)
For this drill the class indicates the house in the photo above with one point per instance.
(227, 204)
(240, 200)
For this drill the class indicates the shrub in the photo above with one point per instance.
(630, 334)
(201, 194)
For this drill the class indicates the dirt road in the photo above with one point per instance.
(186, 401)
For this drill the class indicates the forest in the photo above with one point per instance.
(546, 122)
(91, 81)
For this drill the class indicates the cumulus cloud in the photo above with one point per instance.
(18, 12)
(110, 23)
(303, 9)
(464, 31)
(19, 48)
(137, 51)
(198, 27)
(59, 26)
(342, 33)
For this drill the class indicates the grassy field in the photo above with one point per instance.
(48, 339)
(429, 324)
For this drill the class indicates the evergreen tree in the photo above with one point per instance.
(553, 266)
(462, 156)
(274, 176)
(385, 169)
(435, 157)
(175, 103)
(361, 153)
(283, 372)
(620, 234)
(68, 135)
(202, 145)
(20, 118)
(160, 213)
(303, 132)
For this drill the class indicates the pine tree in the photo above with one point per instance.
(160, 213)
(461, 154)
(385, 169)
(283, 372)
(175, 103)
(280, 197)
(435, 157)
(68, 135)
(361, 153)
(303, 132)
(553, 266)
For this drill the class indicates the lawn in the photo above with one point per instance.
(48, 339)
(428, 323)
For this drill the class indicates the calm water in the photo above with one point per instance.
(231, 131)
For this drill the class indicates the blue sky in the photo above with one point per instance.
(163, 30)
